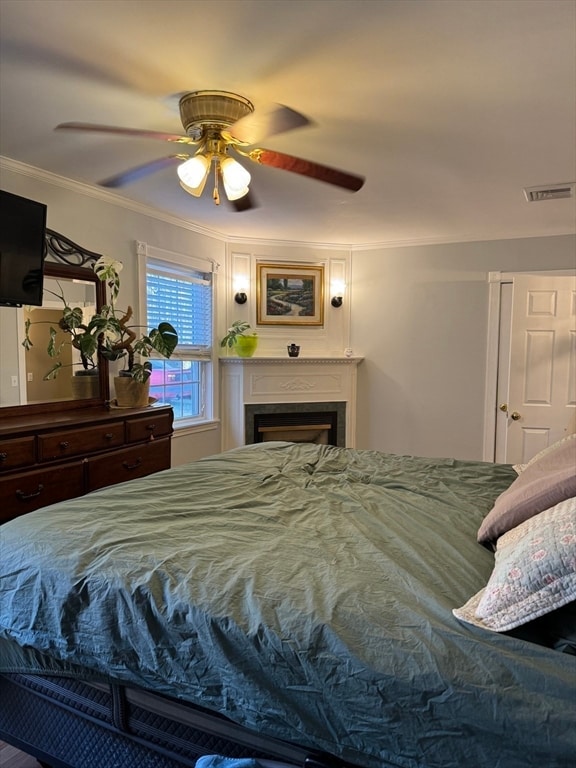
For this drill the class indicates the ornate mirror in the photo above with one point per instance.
(67, 273)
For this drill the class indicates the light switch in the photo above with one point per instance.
(14, 381)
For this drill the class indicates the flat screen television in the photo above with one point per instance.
(22, 245)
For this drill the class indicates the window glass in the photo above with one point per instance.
(178, 382)
(183, 297)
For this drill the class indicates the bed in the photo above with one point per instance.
(303, 604)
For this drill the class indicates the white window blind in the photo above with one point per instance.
(183, 297)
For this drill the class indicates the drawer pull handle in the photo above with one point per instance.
(129, 467)
(151, 427)
(26, 496)
(64, 444)
(108, 436)
(3, 456)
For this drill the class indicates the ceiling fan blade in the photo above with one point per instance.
(349, 181)
(260, 125)
(135, 132)
(141, 171)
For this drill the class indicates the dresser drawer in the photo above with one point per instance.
(25, 491)
(58, 454)
(78, 442)
(129, 463)
(148, 427)
(17, 452)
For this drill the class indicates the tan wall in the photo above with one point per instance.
(38, 362)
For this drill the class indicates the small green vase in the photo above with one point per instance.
(246, 345)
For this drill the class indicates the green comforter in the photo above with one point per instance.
(304, 591)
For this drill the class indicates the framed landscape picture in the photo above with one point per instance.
(289, 294)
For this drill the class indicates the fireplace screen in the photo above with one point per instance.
(322, 423)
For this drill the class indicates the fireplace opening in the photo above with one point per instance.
(296, 427)
(322, 423)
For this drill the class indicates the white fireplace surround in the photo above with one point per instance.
(274, 380)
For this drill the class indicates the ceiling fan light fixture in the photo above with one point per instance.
(193, 172)
(235, 194)
(196, 191)
(236, 177)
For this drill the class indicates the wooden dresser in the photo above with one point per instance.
(55, 456)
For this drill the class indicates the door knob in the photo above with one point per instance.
(504, 407)
(515, 416)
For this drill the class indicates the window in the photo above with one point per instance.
(180, 383)
(180, 290)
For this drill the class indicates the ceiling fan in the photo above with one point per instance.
(219, 124)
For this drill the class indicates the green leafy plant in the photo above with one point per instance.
(237, 328)
(118, 339)
(82, 336)
(108, 332)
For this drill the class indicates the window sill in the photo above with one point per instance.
(189, 427)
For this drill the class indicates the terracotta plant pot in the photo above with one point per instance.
(131, 393)
(246, 345)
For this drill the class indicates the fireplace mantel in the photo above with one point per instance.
(336, 360)
(267, 380)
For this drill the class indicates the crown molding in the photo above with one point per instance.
(236, 240)
(105, 195)
(387, 244)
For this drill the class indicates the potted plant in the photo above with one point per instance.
(120, 341)
(109, 333)
(236, 338)
(83, 337)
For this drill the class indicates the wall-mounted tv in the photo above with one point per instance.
(22, 245)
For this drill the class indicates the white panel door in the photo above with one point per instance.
(541, 398)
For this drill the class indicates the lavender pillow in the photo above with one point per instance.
(546, 481)
(534, 572)
(544, 452)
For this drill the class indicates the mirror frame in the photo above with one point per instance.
(71, 262)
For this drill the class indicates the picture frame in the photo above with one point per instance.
(290, 294)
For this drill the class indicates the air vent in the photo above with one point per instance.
(550, 192)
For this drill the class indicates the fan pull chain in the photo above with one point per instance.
(216, 193)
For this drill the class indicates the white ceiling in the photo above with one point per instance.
(447, 107)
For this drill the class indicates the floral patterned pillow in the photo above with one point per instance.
(534, 572)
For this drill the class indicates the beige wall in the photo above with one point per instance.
(9, 350)
(38, 362)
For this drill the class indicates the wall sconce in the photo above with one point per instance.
(240, 290)
(337, 289)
